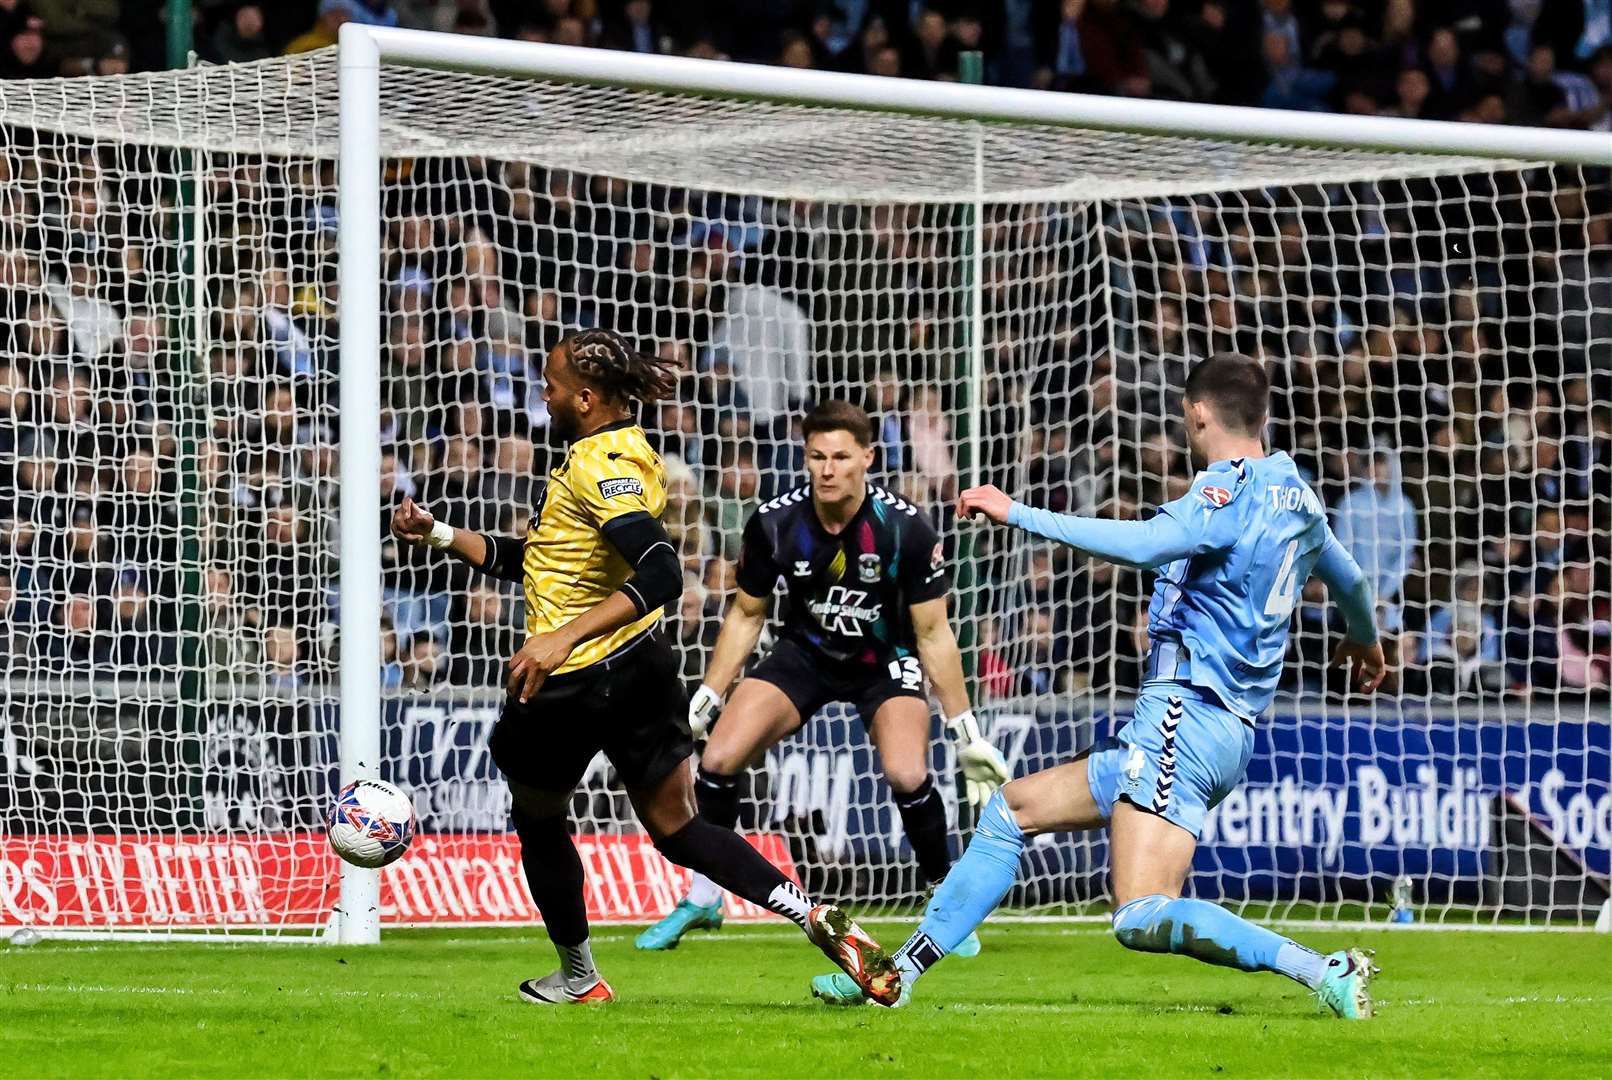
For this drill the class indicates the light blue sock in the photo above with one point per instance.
(1210, 933)
(973, 887)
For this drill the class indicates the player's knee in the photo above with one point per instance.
(907, 777)
(998, 821)
(1144, 924)
(719, 759)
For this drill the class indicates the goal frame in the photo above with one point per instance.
(362, 51)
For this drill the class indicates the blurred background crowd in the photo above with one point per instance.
(1493, 61)
(1441, 348)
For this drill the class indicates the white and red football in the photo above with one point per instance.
(371, 823)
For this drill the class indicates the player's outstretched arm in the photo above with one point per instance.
(1143, 544)
(1347, 586)
(498, 556)
(984, 768)
(741, 629)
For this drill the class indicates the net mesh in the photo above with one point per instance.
(1437, 330)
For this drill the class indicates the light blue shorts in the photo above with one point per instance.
(1178, 756)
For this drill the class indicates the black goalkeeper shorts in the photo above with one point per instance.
(631, 705)
(810, 682)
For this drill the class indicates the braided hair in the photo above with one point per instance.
(604, 358)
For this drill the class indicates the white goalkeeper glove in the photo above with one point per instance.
(702, 708)
(984, 768)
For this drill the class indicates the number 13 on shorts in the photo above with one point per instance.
(908, 672)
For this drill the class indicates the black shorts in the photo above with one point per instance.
(631, 705)
(810, 682)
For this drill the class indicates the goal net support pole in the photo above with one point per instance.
(359, 190)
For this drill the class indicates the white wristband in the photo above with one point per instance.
(440, 536)
(964, 727)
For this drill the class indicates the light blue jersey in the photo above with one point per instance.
(1232, 556)
(1220, 616)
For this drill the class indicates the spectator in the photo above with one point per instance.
(1046, 669)
(1461, 644)
(1175, 67)
(1346, 291)
(1062, 64)
(737, 495)
(15, 629)
(695, 630)
(1412, 90)
(996, 676)
(684, 518)
(1377, 523)
(75, 645)
(94, 326)
(286, 341)
(77, 27)
(1112, 50)
(929, 433)
(639, 29)
(232, 644)
(1531, 640)
(484, 637)
(331, 16)
(1292, 85)
(765, 339)
(424, 664)
(283, 674)
(890, 451)
(1453, 88)
(138, 644)
(240, 38)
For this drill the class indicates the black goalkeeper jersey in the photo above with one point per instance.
(847, 595)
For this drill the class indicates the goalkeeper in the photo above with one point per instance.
(864, 623)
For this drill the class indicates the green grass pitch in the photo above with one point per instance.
(1042, 1000)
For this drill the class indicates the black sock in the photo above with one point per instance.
(717, 797)
(923, 816)
(554, 875)
(728, 859)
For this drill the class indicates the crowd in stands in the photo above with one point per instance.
(1493, 61)
(1442, 349)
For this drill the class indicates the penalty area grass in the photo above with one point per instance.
(1041, 1000)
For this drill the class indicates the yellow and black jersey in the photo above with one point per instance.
(568, 564)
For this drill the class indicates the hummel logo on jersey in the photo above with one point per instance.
(803, 568)
(621, 485)
(843, 611)
(1215, 496)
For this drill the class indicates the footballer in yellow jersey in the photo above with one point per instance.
(608, 479)
(595, 673)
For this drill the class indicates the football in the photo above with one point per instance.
(371, 823)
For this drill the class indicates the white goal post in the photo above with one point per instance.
(1014, 281)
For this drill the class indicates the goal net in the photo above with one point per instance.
(1014, 303)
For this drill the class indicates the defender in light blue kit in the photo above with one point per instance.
(1232, 557)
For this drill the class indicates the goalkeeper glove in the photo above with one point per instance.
(701, 710)
(984, 768)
